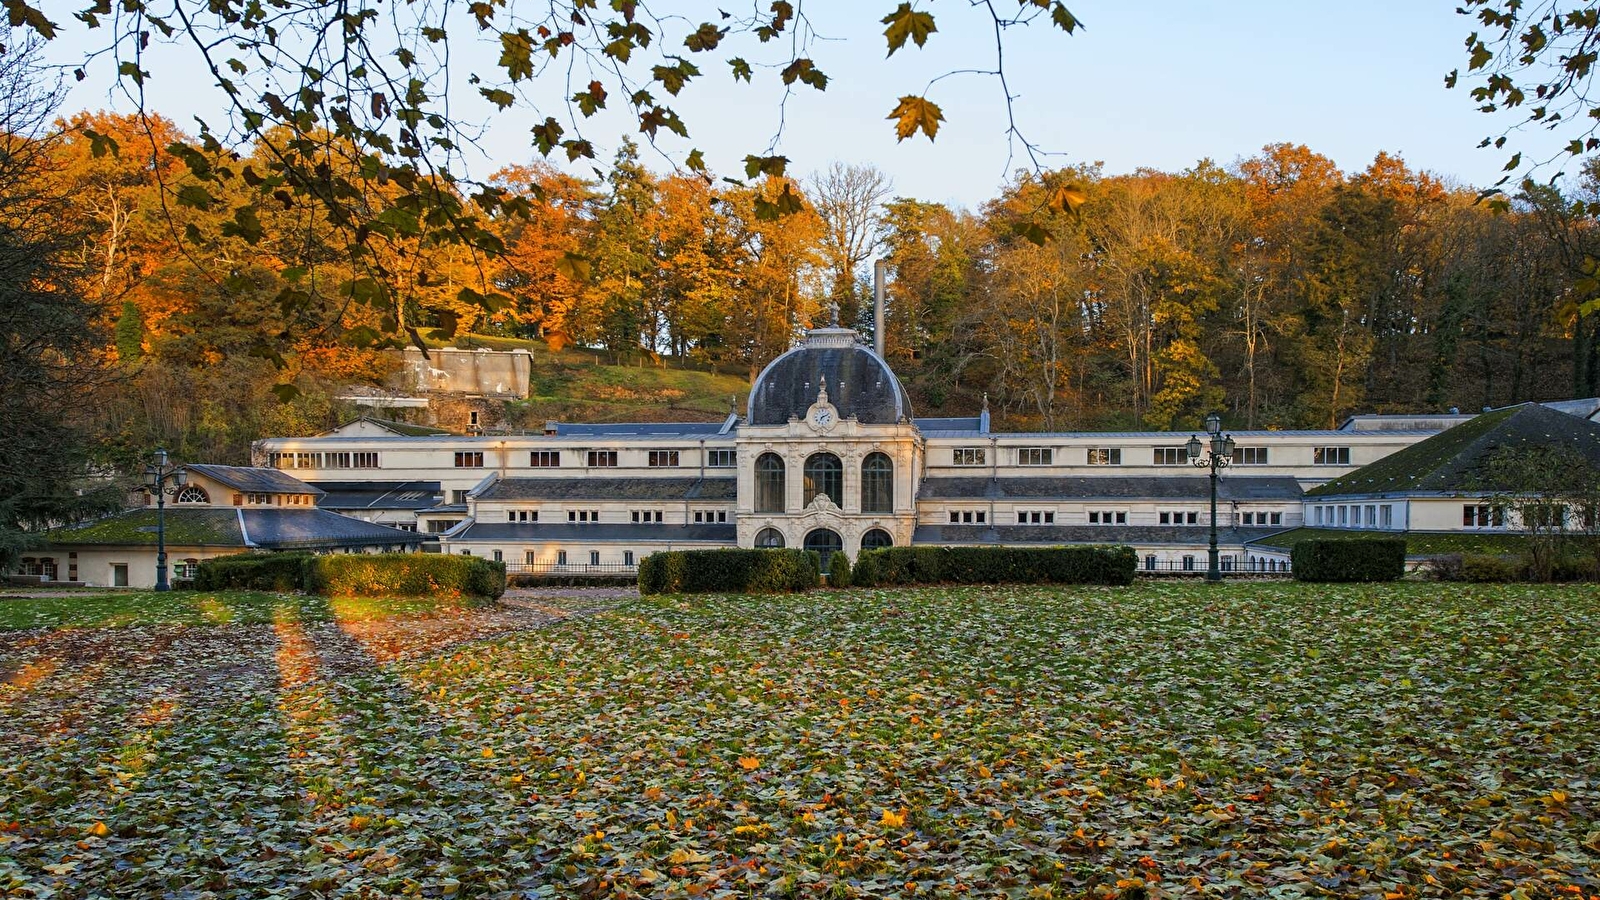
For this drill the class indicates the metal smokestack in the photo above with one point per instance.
(877, 305)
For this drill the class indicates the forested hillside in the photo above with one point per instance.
(1276, 288)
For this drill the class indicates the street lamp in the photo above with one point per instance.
(1219, 455)
(156, 477)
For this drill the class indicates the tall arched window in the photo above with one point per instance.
(824, 475)
(769, 483)
(876, 539)
(877, 483)
(769, 538)
(826, 543)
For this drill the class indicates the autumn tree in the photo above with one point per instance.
(849, 199)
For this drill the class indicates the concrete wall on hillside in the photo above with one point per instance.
(475, 373)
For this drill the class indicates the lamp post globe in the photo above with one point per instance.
(1218, 454)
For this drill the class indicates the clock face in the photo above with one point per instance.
(822, 417)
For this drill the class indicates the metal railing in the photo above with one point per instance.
(572, 569)
(1197, 566)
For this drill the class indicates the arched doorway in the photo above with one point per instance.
(769, 538)
(876, 539)
(826, 542)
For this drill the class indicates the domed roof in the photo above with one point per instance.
(859, 383)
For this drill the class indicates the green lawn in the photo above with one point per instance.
(1160, 740)
(88, 609)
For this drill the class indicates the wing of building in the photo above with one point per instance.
(830, 455)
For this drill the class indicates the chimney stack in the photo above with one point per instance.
(877, 305)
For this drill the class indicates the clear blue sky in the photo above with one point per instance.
(1157, 84)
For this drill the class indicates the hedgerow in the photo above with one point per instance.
(1357, 559)
(995, 565)
(352, 575)
(729, 571)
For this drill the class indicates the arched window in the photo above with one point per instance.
(193, 493)
(877, 483)
(769, 483)
(824, 475)
(825, 541)
(769, 538)
(876, 539)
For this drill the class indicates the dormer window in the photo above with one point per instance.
(193, 493)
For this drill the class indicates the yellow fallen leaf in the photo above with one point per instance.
(652, 793)
(99, 829)
(983, 772)
(894, 819)
(488, 753)
(749, 763)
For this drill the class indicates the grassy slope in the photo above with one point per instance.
(1170, 739)
(577, 385)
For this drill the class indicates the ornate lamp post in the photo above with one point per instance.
(1218, 456)
(156, 477)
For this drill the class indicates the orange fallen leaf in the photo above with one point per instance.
(749, 763)
(99, 829)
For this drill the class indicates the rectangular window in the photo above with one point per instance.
(981, 516)
(469, 459)
(561, 557)
(594, 557)
(602, 458)
(968, 456)
(1385, 517)
(364, 460)
(1277, 518)
(627, 557)
(1331, 456)
(699, 517)
(955, 517)
(1166, 518)
(1188, 564)
(1247, 518)
(1105, 456)
(458, 496)
(1483, 516)
(530, 558)
(1122, 518)
(721, 459)
(1318, 515)
(1034, 456)
(511, 515)
(544, 459)
(1171, 456)
(1094, 518)
(1194, 518)
(1250, 456)
(498, 557)
(663, 459)
(1372, 517)
(1344, 516)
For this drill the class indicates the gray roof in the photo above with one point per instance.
(1113, 487)
(378, 494)
(664, 429)
(860, 384)
(961, 423)
(528, 532)
(1143, 535)
(253, 479)
(610, 489)
(279, 529)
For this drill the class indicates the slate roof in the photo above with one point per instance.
(1113, 487)
(960, 423)
(205, 526)
(610, 489)
(1143, 535)
(404, 429)
(1449, 462)
(282, 529)
(221, 526)
(377, 494)
(252, 478)
(663, 429)
(860, 384)
(528, 532)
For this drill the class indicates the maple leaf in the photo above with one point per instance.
(906, 23)
(913, 114)
(749, 763)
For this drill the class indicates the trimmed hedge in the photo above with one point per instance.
(839, 570)
(356, 574)
(995, 565)
(253, 572)
(1356, 559)
(729, 571)
(406, 575)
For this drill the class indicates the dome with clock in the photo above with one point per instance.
(856, 382)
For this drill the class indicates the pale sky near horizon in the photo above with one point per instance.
(1159, 84)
